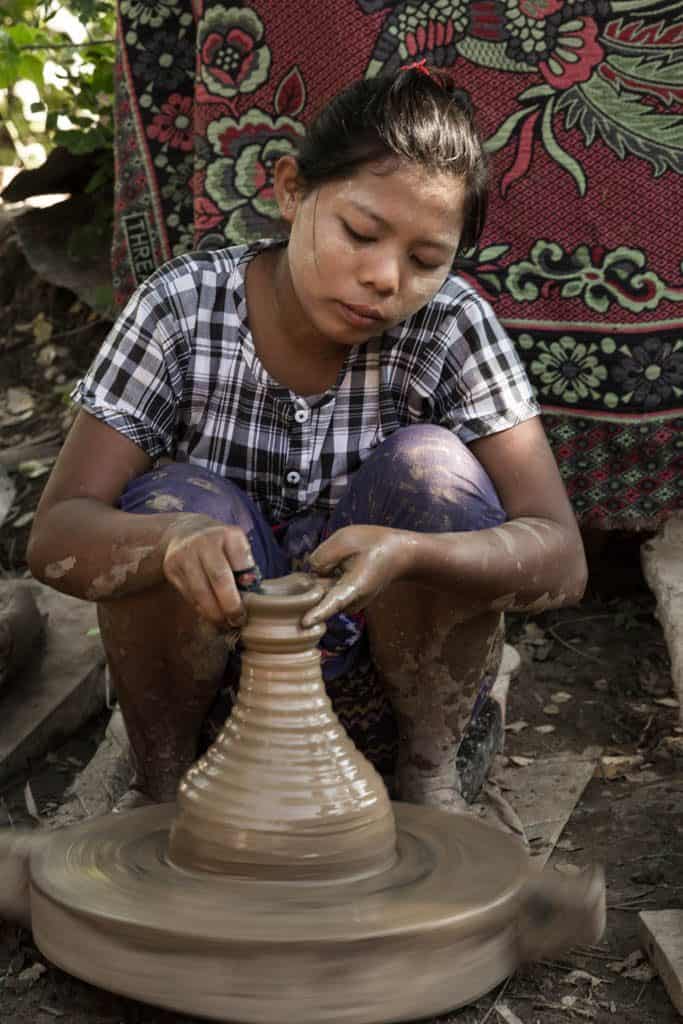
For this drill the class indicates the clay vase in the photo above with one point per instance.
(283, 793)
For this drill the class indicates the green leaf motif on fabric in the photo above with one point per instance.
(565, 368)
(625, 122)
(559, 155)
(617, 277)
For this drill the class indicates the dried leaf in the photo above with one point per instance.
(506, 1014)
(46, 356)
(516, 726)
(520, 761)
(544, 729)
(33, 468)
(551, 709)
(23, 520)
(628, 963)
(576, 976)
(561, 697)
(8, 493)
(32, 974)
(667, 702)
(565, 868)
(568, 846)
(642, 973)
(533, 634)
(616, 766)
(42, 329)
(19, 401)
(31, 805)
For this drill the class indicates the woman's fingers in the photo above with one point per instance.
(221, 577)
(202, 564)
(351, 593)
(335, 550)
(193, 583)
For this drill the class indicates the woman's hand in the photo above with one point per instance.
(201, 559)
(369, 557)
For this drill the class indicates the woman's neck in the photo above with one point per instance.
(289, 347)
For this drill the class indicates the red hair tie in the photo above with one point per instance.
(418, 65)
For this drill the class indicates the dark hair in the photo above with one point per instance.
(416, 114)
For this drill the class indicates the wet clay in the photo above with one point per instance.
(284, 885)
(283, 793)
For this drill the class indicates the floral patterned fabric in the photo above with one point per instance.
(581, 105)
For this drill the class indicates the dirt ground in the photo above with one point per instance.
(607, 656)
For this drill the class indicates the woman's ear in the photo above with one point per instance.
(287, 187)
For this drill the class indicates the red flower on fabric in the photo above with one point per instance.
(233, 57)
(173, 123)
(230, 57)
(575, 54)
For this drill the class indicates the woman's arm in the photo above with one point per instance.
(81, 544)
(532, 562)
(536, 559)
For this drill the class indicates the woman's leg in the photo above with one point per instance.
(166, 662)
(434, 666)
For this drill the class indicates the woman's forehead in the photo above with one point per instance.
(405, 191)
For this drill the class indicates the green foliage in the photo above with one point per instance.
(74, 81)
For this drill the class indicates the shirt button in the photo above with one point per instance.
(293, 477)
(301, 415)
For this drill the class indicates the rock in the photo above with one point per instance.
(662, 561)
(103, 780)
(54, 694)
(22, 629)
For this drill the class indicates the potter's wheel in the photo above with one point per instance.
(283, 885)
(432, 932)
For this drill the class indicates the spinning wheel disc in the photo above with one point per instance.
(432, 932)
(284, 885)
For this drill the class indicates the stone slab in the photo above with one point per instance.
(545, 793)
(662, 561)
(59, 689)
(661, 934)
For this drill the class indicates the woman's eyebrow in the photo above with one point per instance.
(433, 242)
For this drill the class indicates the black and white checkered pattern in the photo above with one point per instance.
(178, 375)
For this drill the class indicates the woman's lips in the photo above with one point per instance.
(360, 316)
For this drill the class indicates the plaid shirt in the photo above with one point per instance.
(178, 375)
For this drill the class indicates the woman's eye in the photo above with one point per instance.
(423, 265)
(355, 234)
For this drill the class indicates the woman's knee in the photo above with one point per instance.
(423, 478)
(181, 487)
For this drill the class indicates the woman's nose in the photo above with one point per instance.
(382, 272)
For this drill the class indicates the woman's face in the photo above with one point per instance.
(367, 252)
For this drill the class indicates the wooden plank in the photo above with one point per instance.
(545, 793)
(60, 687)
(661, 933)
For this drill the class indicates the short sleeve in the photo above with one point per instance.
(135, 380)
(484, 388)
